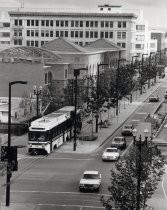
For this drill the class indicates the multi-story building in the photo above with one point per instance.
(160, 37)
(33, 28)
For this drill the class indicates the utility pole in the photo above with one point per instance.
(9, 171)
(97, 92)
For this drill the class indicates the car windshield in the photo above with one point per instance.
(117, 139)
(128, 127)
(90, 176)
(111, 150)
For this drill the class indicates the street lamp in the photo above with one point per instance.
(117, 80)
(142, 62)
(9, 173)
(76, 74)
(135, 56)
(149, 68)
(37, 92)
(139, 142)
(97, 91)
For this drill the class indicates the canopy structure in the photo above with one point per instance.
(24, 53)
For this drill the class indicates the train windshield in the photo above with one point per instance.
(37, 136)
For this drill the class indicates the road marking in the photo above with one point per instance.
(164, 188)
(53, 192)
(126, 149)
(64, 205)
(135, 120)
(20, 156)
(141, 113)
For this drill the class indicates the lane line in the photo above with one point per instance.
(52, 192)
(162, 183)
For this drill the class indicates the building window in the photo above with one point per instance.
(28, 32)
(76, 23)
(51, 33)
(32, 43)
(81, 23)
(119, 24)
(96, 24)
(123, 35)
(140, 27)
(28, 43)
(96, 34)
(62, 23)
(118, 35)
(6, 25)
(36, 22)
(91, 34)
(72, 34)
(36, 43)
(42, 43)
(16, 22)
(81, 34)
(47, 22)
(102, 24)
(87, 34)
(32, 22)
(76, 34)
(111, 24)
(91, 24)
(140, 37)
(47, 33)
(42, 33)
(51, 22)
(72, 23)
(119, 44)
(106, 34)
(28, 22)
(57, 33)
(66, 33)
(139, 46)
(42, 23)
(111, 34)
(101, 34)
(61, 33)
(5, 34)
(32, 32)
(66, 23)
(124, 24)
(36, 33)
(87, 23)
(106, 24)
(123, 45)
(20, 22)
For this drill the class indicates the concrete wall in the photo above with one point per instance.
(30, 72)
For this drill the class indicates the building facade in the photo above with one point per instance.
(37, 28)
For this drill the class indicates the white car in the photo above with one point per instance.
(110, 153)
(91, 180)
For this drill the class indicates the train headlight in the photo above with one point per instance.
(43, 145)
(30, 145)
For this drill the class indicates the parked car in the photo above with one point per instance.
(119, 142)
(90, 180)
(127, 130)
(154, 98)
(110, 154)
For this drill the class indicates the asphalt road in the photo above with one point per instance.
(51, 182)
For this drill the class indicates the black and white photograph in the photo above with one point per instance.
(83, 105)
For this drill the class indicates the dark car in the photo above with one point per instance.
(127, 130)
(153, 98)
(119, 142)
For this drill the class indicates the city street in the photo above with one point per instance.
(51, 182)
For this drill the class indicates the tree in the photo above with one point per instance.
(124, 177)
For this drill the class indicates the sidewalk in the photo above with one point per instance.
(104, 133)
